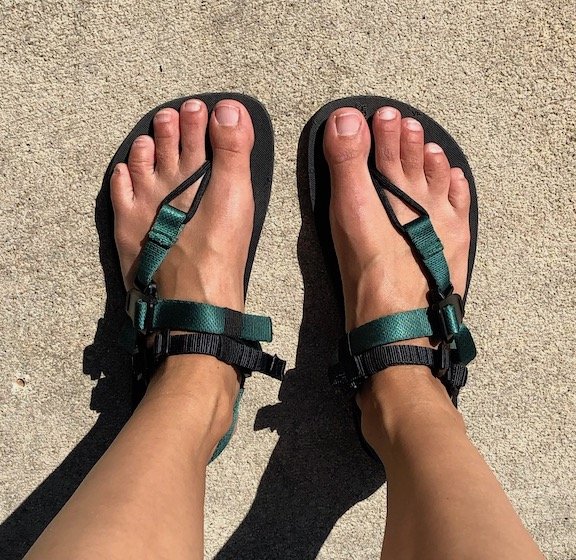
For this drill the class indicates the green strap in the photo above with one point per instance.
(161, 237)
(228, 435)
(464, 345)
(431, 250)
(408, 325)
(202, 317)
(392, 328)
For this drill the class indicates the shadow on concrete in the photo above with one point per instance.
(111, 397)
(318, 469)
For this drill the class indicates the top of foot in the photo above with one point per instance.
(207, 262)
(380, 275)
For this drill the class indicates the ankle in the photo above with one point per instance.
(200, 390)
(398, 401)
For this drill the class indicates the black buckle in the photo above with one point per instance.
(161, 346)
(442, 359)
(132, 297)
(277, 368)
(437, 310)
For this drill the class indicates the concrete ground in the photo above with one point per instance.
(294, 484)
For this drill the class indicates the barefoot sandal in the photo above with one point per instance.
(230, 336)
(370, 348)
(373, 347)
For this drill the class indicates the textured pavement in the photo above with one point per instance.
(294, 483)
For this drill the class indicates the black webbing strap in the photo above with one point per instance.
(225, 349)
(351, 371)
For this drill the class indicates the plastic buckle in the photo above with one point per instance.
(442, 360)
(150, 297)
(437, 309)
(161, 346)
(277, 368)
(132, 298)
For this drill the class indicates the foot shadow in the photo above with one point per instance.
(111, 397)
(318, 469)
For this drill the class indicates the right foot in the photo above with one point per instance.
(380, 275)
(207, 262)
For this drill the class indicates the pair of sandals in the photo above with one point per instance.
(235, 337)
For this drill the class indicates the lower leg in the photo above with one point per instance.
(443, 500)
(145, 497)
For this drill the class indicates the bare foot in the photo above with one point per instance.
(380, 275)
(207, 263)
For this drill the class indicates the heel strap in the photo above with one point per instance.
(233, 352)
(352, 371)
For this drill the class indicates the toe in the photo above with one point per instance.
(346, 148)
(167, 139)
(229, 193)
(386, 126)
(231, 137)
(193, 122)
(141, 159)
(355, 208)
(436, 168)
(459, 192)
(121, 191)
(412, 149)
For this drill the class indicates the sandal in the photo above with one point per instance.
(231, 336)
(368, 348)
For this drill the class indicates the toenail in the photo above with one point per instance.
(163, 117)
(227, 115)
(348, 124)
(387, 113)
(413, 124)
(192, 106)
(117, 169)
(434, 148)
(460, 173)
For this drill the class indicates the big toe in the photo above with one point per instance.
(346, 148)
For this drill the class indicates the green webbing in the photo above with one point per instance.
(464, 345)
(161, 237)
(408, 325)
(392, 328)
(430, 249)
(228, 435)
(202, 317)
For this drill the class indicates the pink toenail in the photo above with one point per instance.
(227, 115)
(387, 113)
(348, 124)
(413, 124)
(434, 148)
(163, 117)
(192, 106)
